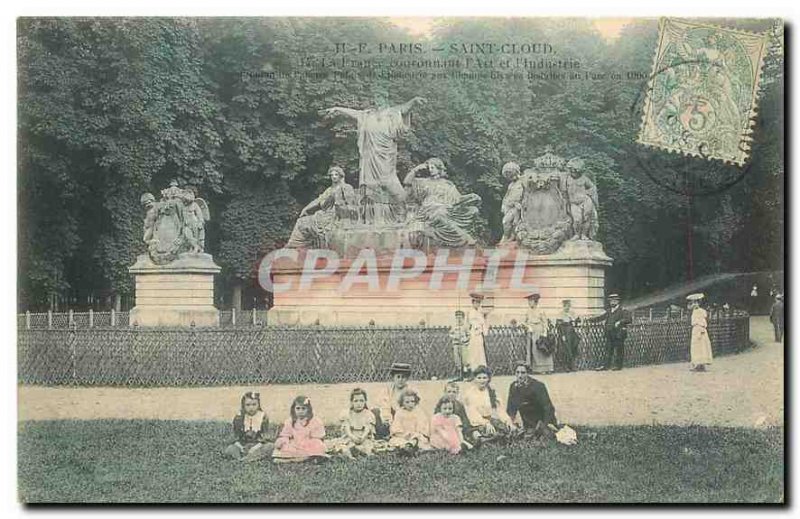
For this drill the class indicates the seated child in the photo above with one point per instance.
(250, 427)
(487, 418)
(301, 435)
(358, 428)
(446, 433)
(454, 392)
(409, 429)
(388, 398)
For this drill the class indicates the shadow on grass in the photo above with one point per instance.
(149, 461)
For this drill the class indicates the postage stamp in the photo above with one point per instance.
(703, 90)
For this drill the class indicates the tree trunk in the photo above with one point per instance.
(236, 300)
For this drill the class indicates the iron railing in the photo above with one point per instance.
(137, 356)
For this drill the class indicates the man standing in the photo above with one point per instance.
(528, 397)
(615, 327)
(568, 338)
(776, 317)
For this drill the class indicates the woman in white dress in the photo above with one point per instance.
(477, 330)
(700, 350)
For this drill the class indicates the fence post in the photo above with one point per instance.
(91, 318)
(681, 314)
(254, 316)
(49, 319)
(113, 318)
(71, 318)
(27, 319)
(233, 317)
(73, 341)
(651, 313)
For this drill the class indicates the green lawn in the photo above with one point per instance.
(160, 461)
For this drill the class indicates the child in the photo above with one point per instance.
(409, 428)
(301, 435)
(358, 427)
(250, 427)
(459, 337)
(446, 431)
(387, 406)
(452, 390)
(488, 421)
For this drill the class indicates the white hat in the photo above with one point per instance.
(695, 297)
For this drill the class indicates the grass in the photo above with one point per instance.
(176, 461)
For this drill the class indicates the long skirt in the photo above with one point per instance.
(701, 347)
(477, 351)
(539, 361)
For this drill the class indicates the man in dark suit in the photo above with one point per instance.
(615, 326)
(776, 317)
(528, 397)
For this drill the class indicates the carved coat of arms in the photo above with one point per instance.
(174, 224)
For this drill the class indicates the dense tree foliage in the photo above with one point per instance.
(112, 108)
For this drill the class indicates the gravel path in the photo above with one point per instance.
(739, 390)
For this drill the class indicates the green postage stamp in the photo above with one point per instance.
(703, 90)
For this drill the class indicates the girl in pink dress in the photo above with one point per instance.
(410, 427)
(446, 427)
(301, 435)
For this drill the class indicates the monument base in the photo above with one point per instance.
(180, 293)
(575, 272)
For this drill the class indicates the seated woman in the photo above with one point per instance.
(487, 419)
(443, 215)
(336, 203)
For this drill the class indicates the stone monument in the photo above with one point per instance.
(175, 277)
(382, 225)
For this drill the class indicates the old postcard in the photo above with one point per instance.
(414, 260)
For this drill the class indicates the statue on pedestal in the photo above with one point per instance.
(174, 224)
(550, 203)
(443, 216)
(336, 204)
(382, 196)
(383, 214)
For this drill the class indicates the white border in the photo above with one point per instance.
(607, 8)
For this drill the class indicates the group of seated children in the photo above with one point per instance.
(397, 423)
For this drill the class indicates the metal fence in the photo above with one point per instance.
(92, 319)
(133, 356)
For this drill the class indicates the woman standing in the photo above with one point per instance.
(540, 348)
(700, 350)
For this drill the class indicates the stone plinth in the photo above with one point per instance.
(177, 294)
(575, 272)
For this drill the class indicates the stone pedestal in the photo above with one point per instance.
(177, 294)
(575, 272)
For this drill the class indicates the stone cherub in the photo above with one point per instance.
(512, 201)
(581, 195)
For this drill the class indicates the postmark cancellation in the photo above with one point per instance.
(703, 91)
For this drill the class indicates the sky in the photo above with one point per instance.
(609, 28)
